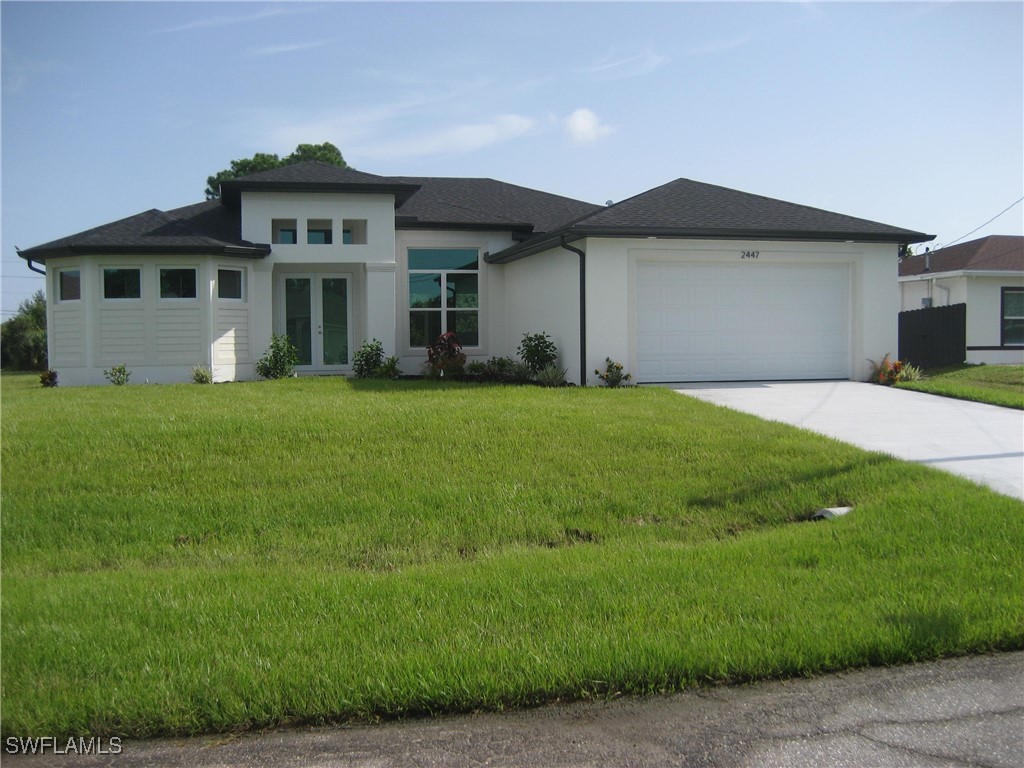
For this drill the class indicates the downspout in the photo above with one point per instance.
(35, 269)
(583, 308)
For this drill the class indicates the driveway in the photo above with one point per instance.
(984, 443)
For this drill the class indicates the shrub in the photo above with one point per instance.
(280, 359)
(537, 350)
(118, 375)
(614, 374)
(502, 370)
(390, 368)
(889, 372)
(48, 378)
(368, 359)
(445, 356)
(201, 375)
(551, 375)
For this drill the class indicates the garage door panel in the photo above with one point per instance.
(706, 321)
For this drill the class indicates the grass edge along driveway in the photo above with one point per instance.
(190, 559)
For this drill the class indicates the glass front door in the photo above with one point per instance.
(316, 319)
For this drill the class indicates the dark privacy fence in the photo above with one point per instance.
(934, 336)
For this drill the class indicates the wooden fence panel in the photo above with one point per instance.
(934, 336)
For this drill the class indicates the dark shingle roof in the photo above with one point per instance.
(685, 208)
(995, 253)
(202, 228)
(444, 201)
(314, 176)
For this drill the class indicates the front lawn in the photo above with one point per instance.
(180, 559)
(993, 384)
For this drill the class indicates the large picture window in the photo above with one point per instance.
(444, 295)
(122, 283)
(1013, 317)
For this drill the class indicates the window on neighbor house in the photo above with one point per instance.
(177, 283)
(121, 283)
(319, 232)
(444, 295)
(69, 284)
(1013, 317)
(284, 231)
(229, 284)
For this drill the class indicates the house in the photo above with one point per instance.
(988, 276)
(685, 282)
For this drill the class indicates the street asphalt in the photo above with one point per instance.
(984, 443)
(955, 712)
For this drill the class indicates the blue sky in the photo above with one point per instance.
(910, 114)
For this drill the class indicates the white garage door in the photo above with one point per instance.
(742, 321)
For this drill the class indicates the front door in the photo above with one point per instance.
(316, 320)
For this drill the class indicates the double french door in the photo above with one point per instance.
(317, 319)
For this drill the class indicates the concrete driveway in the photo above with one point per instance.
(981, 442)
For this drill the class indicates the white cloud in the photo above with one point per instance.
(629, 66)
(274, 50)
(212, 22)
(585, 127)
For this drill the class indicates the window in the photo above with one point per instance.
(1013, 317)
(69, 283)
(122, 283)
(353, 232)
(444, 295)
(284, 231)
(229, 284)
(318, 232)
(177, 283)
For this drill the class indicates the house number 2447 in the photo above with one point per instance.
(749, 254)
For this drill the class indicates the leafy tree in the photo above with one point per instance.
(23, 337)
(261, 161)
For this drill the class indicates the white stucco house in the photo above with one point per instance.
(985, 274)
(685, 282)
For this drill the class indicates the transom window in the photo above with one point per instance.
(70, 284)
(177, 283)
(1013, 317)
(319, 232)
(121, 283)
(284, 231)
(444, 295)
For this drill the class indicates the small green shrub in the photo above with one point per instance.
(201, 375)
(280, 359)
(888, 371)
(551, 375)
(118, 375)
(368, 359)
(445, 358)
(614, 374)
(48, 378)
(390, 368)
(500, 370)
(537, 350)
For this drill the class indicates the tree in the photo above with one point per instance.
(261, 161)
(23, 337)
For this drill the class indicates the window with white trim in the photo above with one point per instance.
(69, 285)
(122, 283)
(1013, 317)
(231, 284)
(177, 283)
(444, 295)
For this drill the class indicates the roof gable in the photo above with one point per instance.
(995, 253)
(313, 176)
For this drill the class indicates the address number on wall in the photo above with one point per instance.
(749, 254)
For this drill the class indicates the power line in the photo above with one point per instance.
(986, 223)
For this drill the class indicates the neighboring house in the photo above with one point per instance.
(685, 282)
(988, 276)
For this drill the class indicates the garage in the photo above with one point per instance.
(742, 320)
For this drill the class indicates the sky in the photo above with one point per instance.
(911, 114)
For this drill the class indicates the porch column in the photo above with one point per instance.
(381, 309)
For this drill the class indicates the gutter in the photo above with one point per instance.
(583, 307)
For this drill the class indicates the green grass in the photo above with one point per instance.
(993, 384)
(180, 559)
